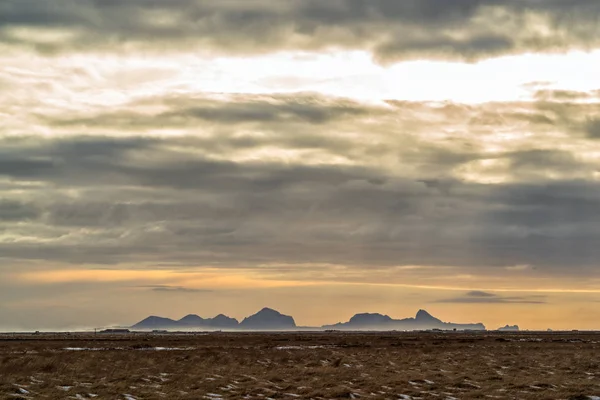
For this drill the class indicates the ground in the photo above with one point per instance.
(301, 365)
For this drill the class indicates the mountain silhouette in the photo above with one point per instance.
(424, 317)
(509, 328)
(188, 322)
(268, 319)
(223, 321)
(422, 321)
(154, 322)
(192, 320)
(367, 319)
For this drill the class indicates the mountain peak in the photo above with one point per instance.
(268, 319)
(424, 316)
(192, 320)
(268, 310)
(191, 316)
(223, 321)
(370, 319)
(154, 322)
(509, 328)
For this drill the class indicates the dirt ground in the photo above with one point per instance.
(301, 365)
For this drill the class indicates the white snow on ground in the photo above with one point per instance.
(129, 397)
(166, 349)
(301, 347)
(124, 348)
(85, 348)
(65, 388)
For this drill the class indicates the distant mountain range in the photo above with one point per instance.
(422, 321)
(189, 321)
(268, 319)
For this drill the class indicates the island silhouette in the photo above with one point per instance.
(269, 319)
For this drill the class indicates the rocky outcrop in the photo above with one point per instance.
(268, 319)
(223, 322)
(509, 328)
(192, 320)
(188, 322)
(154, 322)
(422, 321)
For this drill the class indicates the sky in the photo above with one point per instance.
(324, 158)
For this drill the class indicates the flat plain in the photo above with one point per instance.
(329, 365)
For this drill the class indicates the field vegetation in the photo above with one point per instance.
(300, 365)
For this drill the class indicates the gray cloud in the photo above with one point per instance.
(358, 185)
(16, 211)
(189, 209)
(479, 293)
(175, 289)
(592, 128)
(237, 109)
(479, 297)
(392, 29)
(562, 95)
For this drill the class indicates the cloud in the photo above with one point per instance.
(480, 297)
(478, 293)
(592, 128)
(562, 95)
(518, 267)
(234, 109)
(11, 210)
(176, 289)
(391, 29)
(257, 179)
(187, 207)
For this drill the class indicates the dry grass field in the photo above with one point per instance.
(301, 365)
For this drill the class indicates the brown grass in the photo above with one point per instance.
(301, 365)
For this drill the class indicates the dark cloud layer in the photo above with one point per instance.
(391, 29)
(238, 109)
(478, 297)
(176, 289)
(593, 128)
(11, 210)
(109, 200)
(303, 178)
